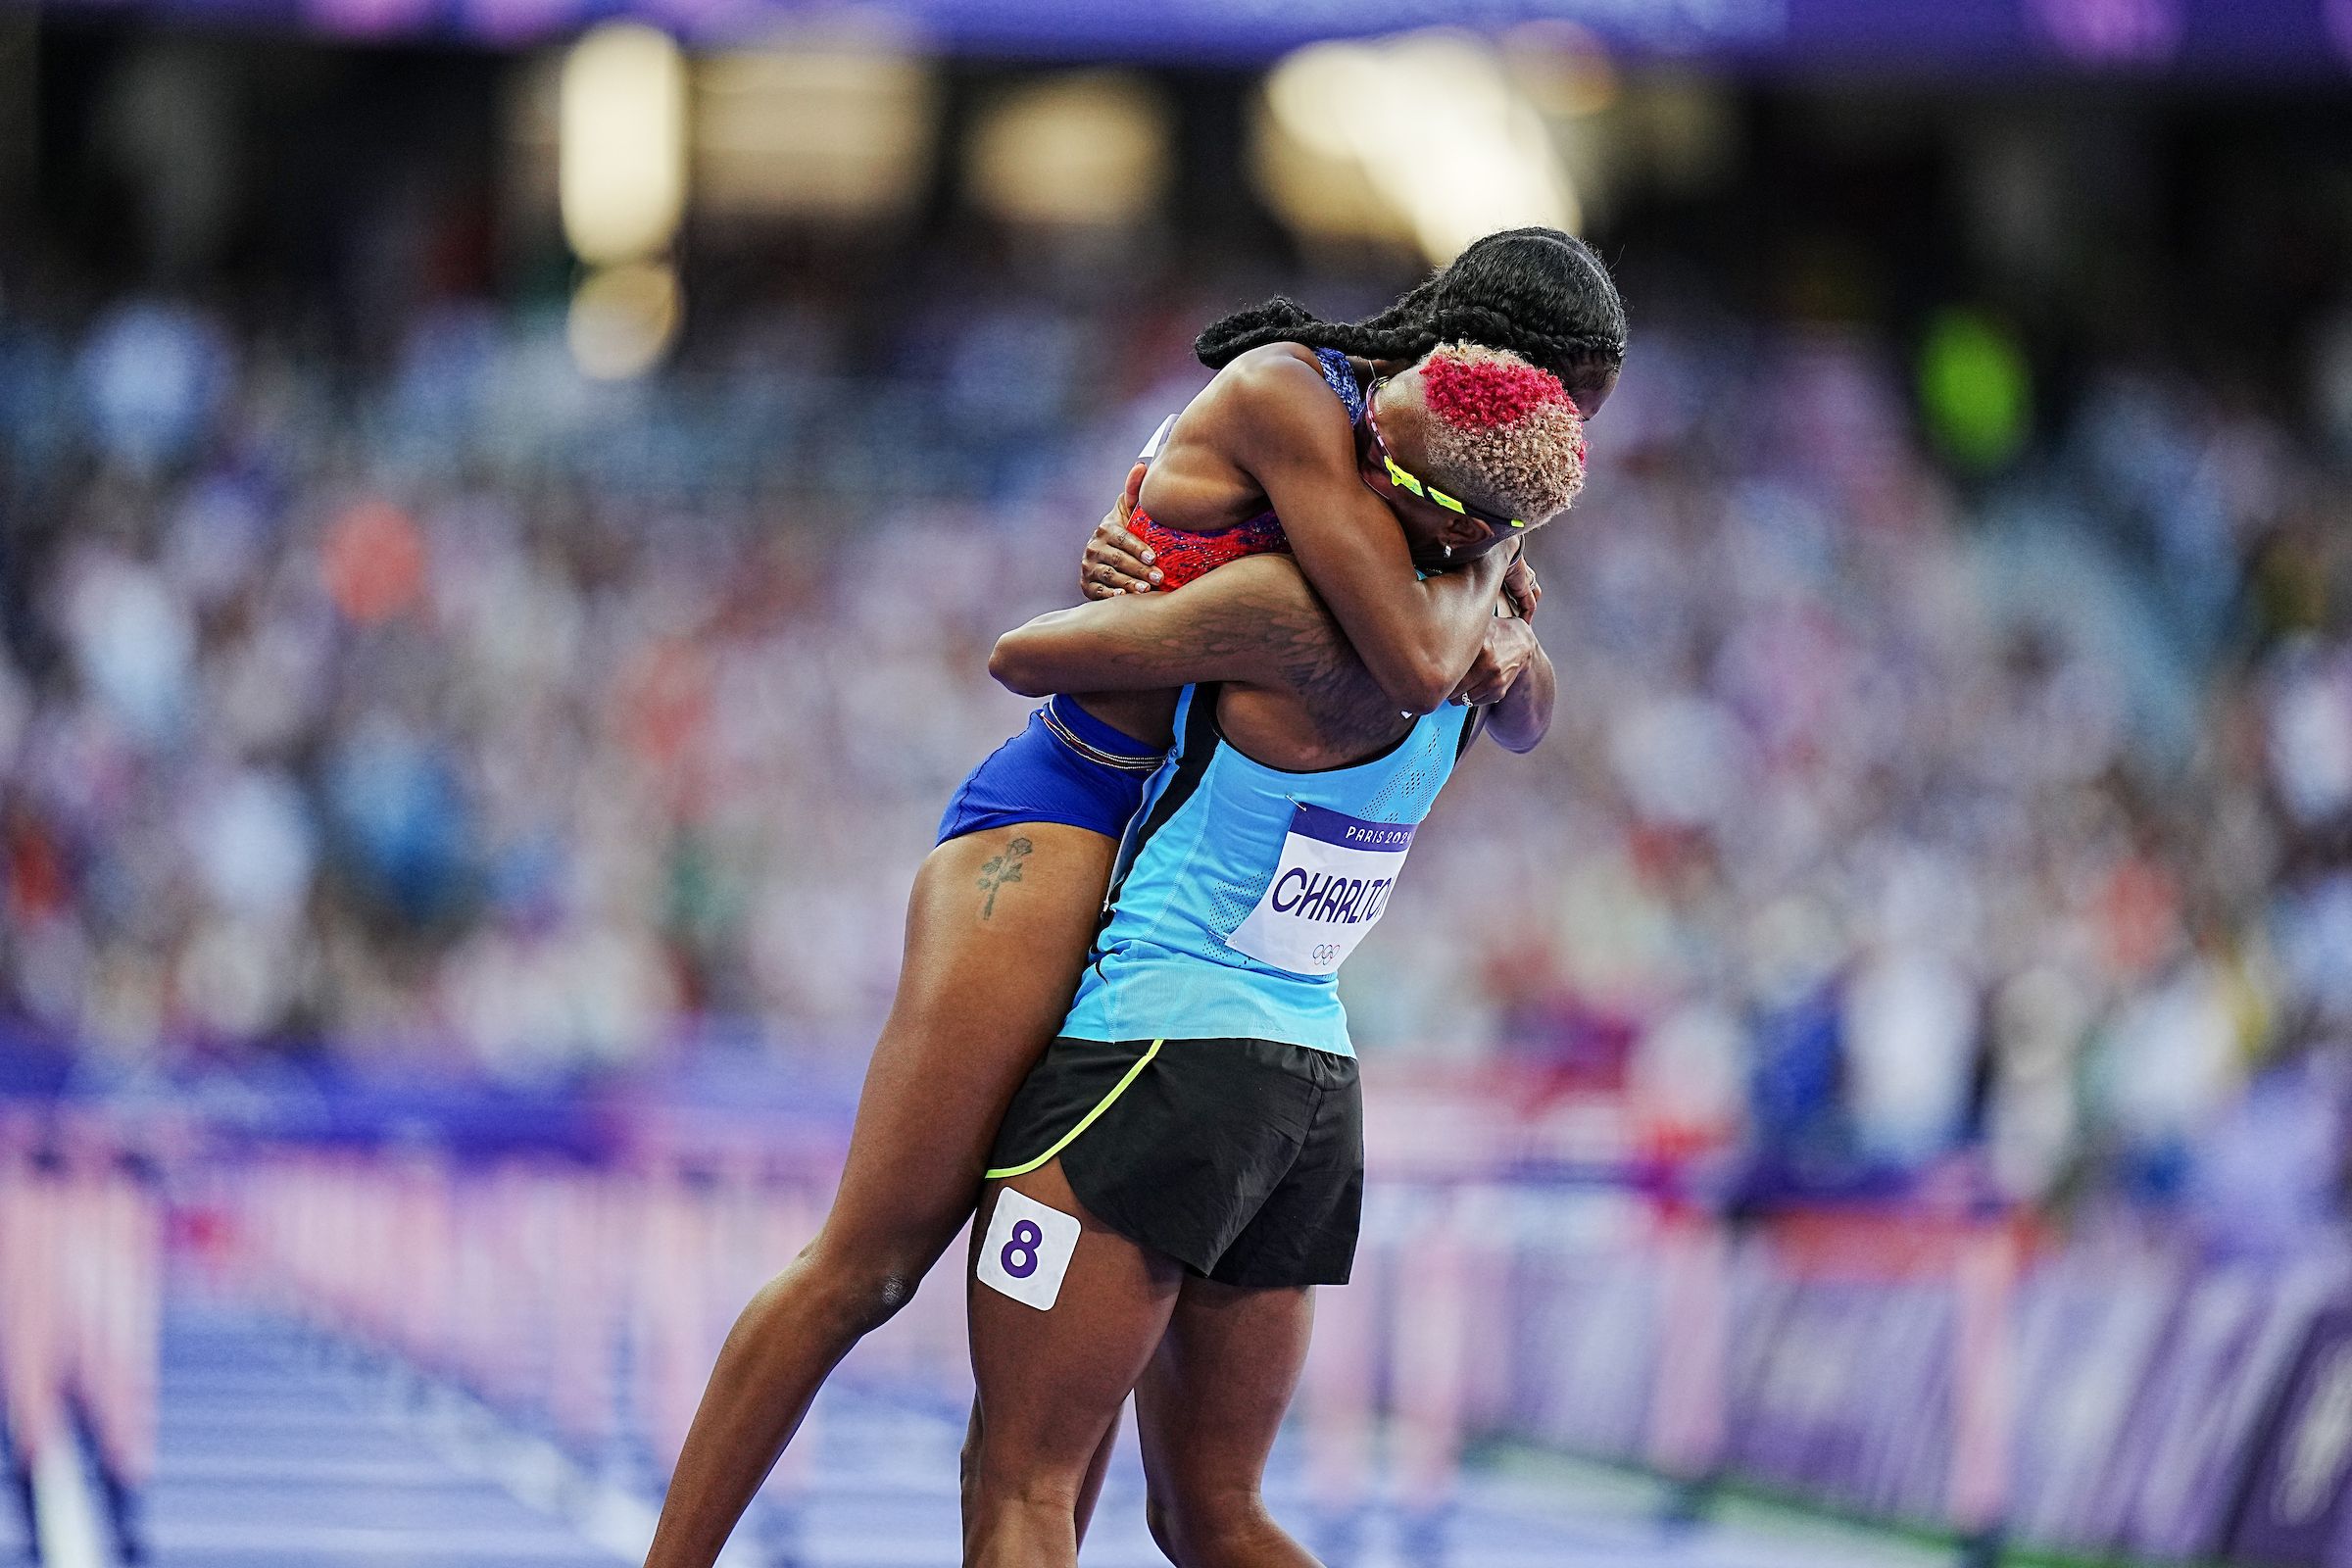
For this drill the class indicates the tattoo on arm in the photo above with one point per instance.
(1254, 623)
(1000, 869)
(1273, 634)
(1300, 647)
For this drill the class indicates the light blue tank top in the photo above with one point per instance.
(1242, 888)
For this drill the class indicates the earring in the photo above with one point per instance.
(1448, 549)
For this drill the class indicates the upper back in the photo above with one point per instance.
(1243, 886)
(1320, 708)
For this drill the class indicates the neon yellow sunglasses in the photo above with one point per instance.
(1405, 479)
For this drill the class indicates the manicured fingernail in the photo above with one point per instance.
(1149, 557)
(1156, 574)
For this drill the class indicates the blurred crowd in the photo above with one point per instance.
(442, 707)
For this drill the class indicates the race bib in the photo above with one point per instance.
(1331, 886)
(1028, 1250)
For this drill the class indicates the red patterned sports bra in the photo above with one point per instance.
(1181, 556)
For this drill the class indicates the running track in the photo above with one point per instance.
(277, 1452)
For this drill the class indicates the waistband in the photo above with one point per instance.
(1095, 741)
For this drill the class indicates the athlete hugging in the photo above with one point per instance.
(1167, 1160)
(1187, 1159)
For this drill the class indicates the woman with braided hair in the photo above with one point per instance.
(1005, 909)
(1185, 1164)
(1534, 292)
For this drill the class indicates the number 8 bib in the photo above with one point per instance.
(1028, 1250)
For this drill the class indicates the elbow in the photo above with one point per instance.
(1009, 666)
(1419, 699)
(1518, 741)
(1422, 688)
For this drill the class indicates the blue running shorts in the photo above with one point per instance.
(1066, 766)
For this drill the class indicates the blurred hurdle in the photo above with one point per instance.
(81, 1303)
(1515, 1288)
(587, 1302)
(581, 1305)
(1582, 1303)
(1583, 1316)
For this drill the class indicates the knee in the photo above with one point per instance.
(1208, 1529)
(995, 1486)
(861, 1289)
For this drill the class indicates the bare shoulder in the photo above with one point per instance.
(1276, 373)
(1276, 394)
(1265, 412)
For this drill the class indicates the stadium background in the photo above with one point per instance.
(500, 522)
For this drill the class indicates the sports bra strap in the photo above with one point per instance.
(1339, 377)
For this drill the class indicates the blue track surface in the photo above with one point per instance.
(278, 1453)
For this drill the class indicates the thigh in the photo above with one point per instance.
(1214, 1395)
(997, 930)
(1065, 1313)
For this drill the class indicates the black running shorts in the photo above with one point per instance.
(1243, 1160)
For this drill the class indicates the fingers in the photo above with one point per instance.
(1116, 560)
(1520, 587)
(1487, 682)
(1111, 585)
(1487, 692)
(1123, 569)
(1509, 645)
(1124, 550)
(1116, 564)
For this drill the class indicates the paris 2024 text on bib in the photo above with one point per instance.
(1333, 884)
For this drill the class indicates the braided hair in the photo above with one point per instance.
(1534, 292)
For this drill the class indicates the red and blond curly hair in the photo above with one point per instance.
(1504, 426)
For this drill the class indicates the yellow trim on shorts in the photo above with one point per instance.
(1084, 1121)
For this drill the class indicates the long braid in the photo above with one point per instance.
(1534, 292)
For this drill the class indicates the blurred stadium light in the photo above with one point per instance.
(623, 319)
(622, 159)
(622, 167)
(1474, 156)
(813, 130)
(1088, 148)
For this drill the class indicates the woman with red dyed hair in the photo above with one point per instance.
(1186, 1163)
(1295, 447)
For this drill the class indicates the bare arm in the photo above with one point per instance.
(1289, 434)
(1249, 621)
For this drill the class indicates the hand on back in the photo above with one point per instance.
(1115, 562)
